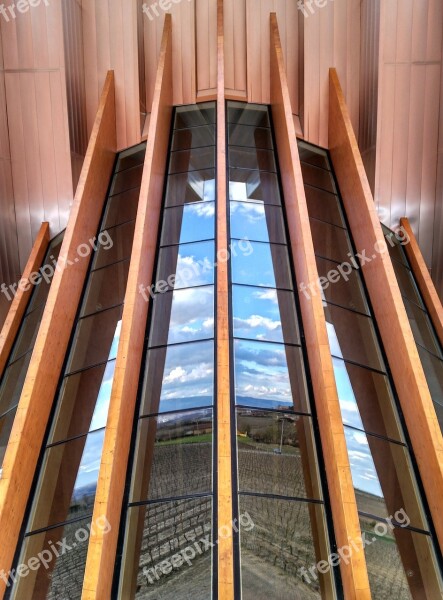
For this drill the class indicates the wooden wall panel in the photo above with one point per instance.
(411, 38)
(34, 77)
(235, 48)
(206, 35)
(52, 340)
(110, 42)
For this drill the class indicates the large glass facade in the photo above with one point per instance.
(428, 344)
(64, 492)
(167, 524)
(11, 383)
(400, 555)
(279, 480)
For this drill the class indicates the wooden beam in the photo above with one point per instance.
(223, 367)
(392, 320)
(341, 489)
(21, 299)
(423, 279)
(52, 342)
(114, 462)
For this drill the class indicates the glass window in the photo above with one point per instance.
(276, 454)
(67, 487)
(131, 158)
(106, 288)
(183, 316)
(274, 268)
(27, 333)
(12, 383)
(330, 241)
(269, 376)
(313, 155)
(41, 291)
(178, 378)
(422, 328)
(195, 137)
(83, 403)
(433, 368)
(254, 186)
(343, 289)
(194, 115)
(265, 315)
(352, 337)
(117, 245)
(194, 159)
(317, 177)
(157, 536)
(6, 423)
(126, 180)
(240, 113)
(257, 222)
(121, 208)
(95, 339)
(252, 159)
(196, 186)
(184, 266)
(279, 541)
(407, 284)
(324, 206)
(247, 135)
(173, 456)
(188, 223)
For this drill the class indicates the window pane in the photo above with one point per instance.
(352, 337)
(183, 316)
(196, 137)
(406, 283)
(28, 333)
(173, 454)
(276, 454)
(317, 177)
(433, 368)
(192, 160)
(254, 186)
(197, 186)
(12, 383)
(126, 180)
(345, 290)
(396, 250)
(156, 538)
(121, 208)
(6, 423)
(265, 315)
(106, 288)
(330, 241)
(68, 481)
(252, 158)
(324, 206)
(191, 264)
(83, 403)
(383, 477)
(274, 266)
(241, 113)
(193, 116)
(41, 291)
(422, 328)
(117, 246)
(178, 378)
(278, 543)
(95, 339)
(270, 376)
(188, 223)
(131, 157)
(312, 155)
(246, 135)
(366, 400)
(257, 222)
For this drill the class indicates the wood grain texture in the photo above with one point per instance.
(341, 489)
(114, 461)
(392, 320)
(206, 59)
(52, 341)
(20, 302)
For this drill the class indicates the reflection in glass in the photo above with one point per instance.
(317, 177)
(121, 208)
(116, 247)
(194, 159)
(324, 206)
(265, 315)
(433, 368)
(126, 180)
(41, 291)
(157, 534)
(407, 284)
(194, 115)
(28, 333)
(279, 541)
(178, 378)
(12, 383)
(247, 135)
(196, 137)
(257, 222)
(330, 241)
(312, 155)
(252, 159)
(196, 186)
(131, 157)
(274, 269)
(188, 223)
(6, 423)
(185, 266)
(422, 328)
(344, 290)
(240, 113)
(106, 288)
(269, 376)
(183, 316)
(276, 453)
(173, 456)
(254, 186)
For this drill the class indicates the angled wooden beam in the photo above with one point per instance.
(114, 462)
(223, 367)
(424, 280)
(53, 338)
(338, 472)
(392, 320)
(24, 290)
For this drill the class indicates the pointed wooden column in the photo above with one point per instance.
(21, 299)
(53, 338)
(112, 476)
(341, 489)
(392, 320)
